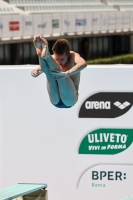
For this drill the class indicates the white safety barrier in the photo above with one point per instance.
(65, 23)
(84, 152)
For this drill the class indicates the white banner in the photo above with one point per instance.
(119, 20)
(104, 21)
(64, 23)
(85, 158)
(126, 20)
(8, 26)
(38, 25)
(96, 19)
(88, 17)
(16, 25)
(47, 20)
(28, 25)
(56, 23)
(81, 22)
(112, 21)
(72, 23)
(105, 178)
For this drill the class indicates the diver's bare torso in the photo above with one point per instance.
(69, 64)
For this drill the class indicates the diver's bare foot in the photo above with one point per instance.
(45, 51)
(38, 44)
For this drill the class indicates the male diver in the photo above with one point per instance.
(62, 70)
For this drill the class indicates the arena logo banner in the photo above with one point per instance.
(106, 141)
(106, 105)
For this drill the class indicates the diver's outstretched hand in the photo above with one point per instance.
(36, 72)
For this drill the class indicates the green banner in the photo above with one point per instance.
(106, 141)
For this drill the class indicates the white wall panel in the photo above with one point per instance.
(17, 26)
(56, 23)
(131, 21)
(119, 21)
(8, 26)
(64, 23)
(112, 21)
(96, 20)
(80, 22)
(126, 20)
(104, 22)
(28, 25)
(38, 25)
(47, 21)
(71, 22)
(89, 17)
(1, 26)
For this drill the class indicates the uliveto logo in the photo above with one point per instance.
(14, 26)
(106, 105)
(106, 141)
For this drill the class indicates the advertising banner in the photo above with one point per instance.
(88, 17)
(28, 25)
(80, 22)
(104, 179)
(81, 157)
(47, 21)
(72, 23)
(119, 21)
(56, 23)
(112, 20)
(104, 22)
(126, 20)
(16, 26)
(96, 19)
(64, 23)
(39, 25)
(8, 26)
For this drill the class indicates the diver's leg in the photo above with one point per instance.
(67, 91)
(52, 86)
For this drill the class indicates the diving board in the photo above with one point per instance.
(19, 189)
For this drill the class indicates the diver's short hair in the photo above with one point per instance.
(61, 47)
